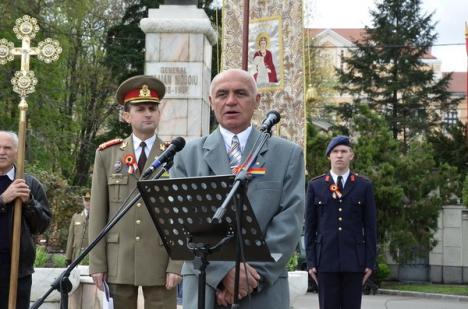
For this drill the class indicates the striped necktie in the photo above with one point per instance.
(234, 153)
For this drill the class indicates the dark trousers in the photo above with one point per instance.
(23, 293)
(340, 290)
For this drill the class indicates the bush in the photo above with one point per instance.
(41, 257)
(292, 263)
(383, 271)
(64, 201)
(45, 259)
(465, 191)
(59, 260)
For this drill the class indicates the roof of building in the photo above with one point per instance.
(352, 35)
(458, 82)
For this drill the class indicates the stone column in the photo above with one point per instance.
(179, 39)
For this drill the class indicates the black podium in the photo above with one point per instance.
(182, 210)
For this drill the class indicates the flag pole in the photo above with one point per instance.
(466, 94)
(245, 35)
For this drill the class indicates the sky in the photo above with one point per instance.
(450, 16)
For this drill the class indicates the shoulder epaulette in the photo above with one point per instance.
(107, 144)
(317, 177)
(164, 144)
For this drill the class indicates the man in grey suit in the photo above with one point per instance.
(277, 197)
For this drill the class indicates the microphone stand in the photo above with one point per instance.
(62, 283)
(240, 186)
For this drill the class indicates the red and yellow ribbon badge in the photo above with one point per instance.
(253, 171)
(131, 162)
(335, 192)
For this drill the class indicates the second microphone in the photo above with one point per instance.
(176, 145)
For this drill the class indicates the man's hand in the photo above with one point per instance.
(99, 279)
(246, 284)
(313, 274)
(224, 298)
(17, 189)
(367, 274)
(172, 280)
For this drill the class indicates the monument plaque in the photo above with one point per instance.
(182, 79)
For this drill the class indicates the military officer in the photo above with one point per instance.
(78, 231)
(340, 232)
(132, 254)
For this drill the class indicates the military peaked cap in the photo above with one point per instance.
(140, 89)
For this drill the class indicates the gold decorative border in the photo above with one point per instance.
(289, 100)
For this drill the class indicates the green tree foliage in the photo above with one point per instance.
(64, 201)
(410, 187)
(316, 161)
(451, 147)
(73, 96)
(465, 191)
(386, 70)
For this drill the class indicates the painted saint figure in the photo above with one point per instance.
(263, 61)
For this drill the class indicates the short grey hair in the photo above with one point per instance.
(249, 78)
(13, 136)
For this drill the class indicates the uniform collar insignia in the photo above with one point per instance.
(124, 145)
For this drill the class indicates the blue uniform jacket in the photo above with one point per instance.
(340, 232)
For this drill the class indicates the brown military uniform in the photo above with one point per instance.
(132, 253)
(77, 235)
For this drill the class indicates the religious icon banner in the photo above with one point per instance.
(266, 53)
(275, 58)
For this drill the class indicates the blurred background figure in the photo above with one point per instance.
(78, 231)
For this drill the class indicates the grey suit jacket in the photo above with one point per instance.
(277, 199)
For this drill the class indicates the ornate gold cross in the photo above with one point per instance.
(24, 81)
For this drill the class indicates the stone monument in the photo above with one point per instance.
(179, 40)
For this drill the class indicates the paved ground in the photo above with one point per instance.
(310, 301)
(385, 301)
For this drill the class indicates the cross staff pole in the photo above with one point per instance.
(24, 83)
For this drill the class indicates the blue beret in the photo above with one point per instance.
(337, 140)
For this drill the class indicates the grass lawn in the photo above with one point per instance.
(452, 289)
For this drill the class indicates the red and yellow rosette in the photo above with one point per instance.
(335, 191)
(131, 162)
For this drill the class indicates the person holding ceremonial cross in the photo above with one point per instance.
(24, 82)
(35, 219)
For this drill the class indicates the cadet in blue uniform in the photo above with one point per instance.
(340, 234)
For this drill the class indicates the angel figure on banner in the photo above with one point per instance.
(263, 61)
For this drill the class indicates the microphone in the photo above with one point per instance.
(272, 118)
(176, 145)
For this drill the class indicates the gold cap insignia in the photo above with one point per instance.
(144, 91)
